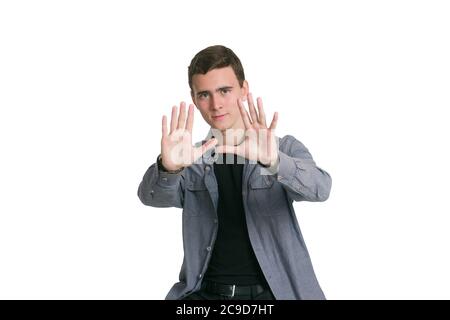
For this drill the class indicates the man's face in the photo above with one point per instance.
(215, 94)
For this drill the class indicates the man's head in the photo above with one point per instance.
(217, 80)
(215, 57)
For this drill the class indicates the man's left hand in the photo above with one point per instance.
(259, 143)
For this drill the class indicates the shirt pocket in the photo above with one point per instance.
(195, 199)
(266, 196)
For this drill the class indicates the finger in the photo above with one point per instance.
(187, 155)
(226, 149)
(273, 125)
(182, 116)
(199, 151)
(244, 115)
(272, 149)
(190, 118)
(173, 119)
(251, 107)
(164, 126)
(262, 115)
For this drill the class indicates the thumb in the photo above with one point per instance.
(199, 151)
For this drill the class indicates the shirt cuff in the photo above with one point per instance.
(167, 178)
(286, 167)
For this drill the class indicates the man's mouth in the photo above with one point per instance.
(219, 117)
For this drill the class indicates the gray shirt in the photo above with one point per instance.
(272, 224)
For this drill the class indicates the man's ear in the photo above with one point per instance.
(244, 90)
(192, 97)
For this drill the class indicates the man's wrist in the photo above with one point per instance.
(263, 165)
(162, 168)
(271, 164)
(272, 168)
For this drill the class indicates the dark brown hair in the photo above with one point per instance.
(215, 57)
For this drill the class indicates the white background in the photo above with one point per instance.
(83, 85)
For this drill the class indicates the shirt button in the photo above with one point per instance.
(215, 221)
(208, 248)
(164, 179)
(200, 276)
(207, 168)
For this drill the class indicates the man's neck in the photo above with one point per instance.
(233, 136)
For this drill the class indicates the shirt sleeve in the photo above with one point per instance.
(162, 189)
(302, 179)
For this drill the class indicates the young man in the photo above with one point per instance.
(240, 233)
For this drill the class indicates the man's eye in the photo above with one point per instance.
(203, 95)
(225, 91)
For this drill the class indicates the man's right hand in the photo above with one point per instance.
(176, 146)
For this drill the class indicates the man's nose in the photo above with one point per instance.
(216, 102)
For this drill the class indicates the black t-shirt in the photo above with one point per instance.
(233, 260)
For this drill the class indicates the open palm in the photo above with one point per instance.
(259, 143)
(177, 150)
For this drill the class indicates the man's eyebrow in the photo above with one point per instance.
(218, 89)
(224, 88)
